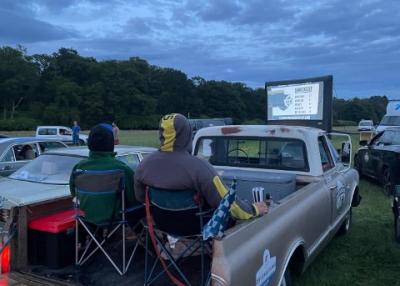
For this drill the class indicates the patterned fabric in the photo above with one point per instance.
(216, 226)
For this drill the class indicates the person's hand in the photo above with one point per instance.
(262, 207)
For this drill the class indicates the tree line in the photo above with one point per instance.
(65, 86)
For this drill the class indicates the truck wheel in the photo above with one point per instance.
(287, 278)
(397, 228)
(345, 227)
(387, 182)
(357, 165)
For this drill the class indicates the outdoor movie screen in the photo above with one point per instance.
(296, 101)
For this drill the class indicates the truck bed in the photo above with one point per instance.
(97, 271)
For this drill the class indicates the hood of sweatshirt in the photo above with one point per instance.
(175, 133)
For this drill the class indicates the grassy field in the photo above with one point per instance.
(367, 255)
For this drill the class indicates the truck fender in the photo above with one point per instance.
(298, 244)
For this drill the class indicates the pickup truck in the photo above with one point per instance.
(313, 189)
(60, 133)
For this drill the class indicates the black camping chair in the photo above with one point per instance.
(102, 189)
(178, 214)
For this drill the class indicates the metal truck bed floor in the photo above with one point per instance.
(99, 271)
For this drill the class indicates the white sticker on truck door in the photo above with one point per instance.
(340, 195)
(267, 270)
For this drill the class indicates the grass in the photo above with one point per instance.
(366, 256)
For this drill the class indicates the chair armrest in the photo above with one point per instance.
(206, 212)
(135, 208)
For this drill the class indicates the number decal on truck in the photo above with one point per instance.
(267, 270)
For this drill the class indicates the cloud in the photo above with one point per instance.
(15, 28)
(250, 41)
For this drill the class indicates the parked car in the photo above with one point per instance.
(42, 187)
(61, 133)
(3, 136)
(366, 125)
(380, 158)
(392, 116)
(313, 191)
(16, 152)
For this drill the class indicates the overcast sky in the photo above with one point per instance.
(251, 41)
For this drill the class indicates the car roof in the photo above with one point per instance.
(12, 140)
(260, 130)
(84, 151)
(52, 126)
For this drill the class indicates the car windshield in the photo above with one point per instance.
(390, 121)
(266, 152)
(47, 169)
(366, 123)
(389, 137)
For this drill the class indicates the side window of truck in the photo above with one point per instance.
(326, 158)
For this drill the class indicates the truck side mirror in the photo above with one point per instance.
(345, 153)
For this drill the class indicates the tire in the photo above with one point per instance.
(357, 165)
(81, 142)
(397, 228)
(346, 225)
(387, 182)
(287, 278)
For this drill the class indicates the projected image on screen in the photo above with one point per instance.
(302, 101)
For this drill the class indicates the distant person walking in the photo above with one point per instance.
(75, 133)
(115, 130)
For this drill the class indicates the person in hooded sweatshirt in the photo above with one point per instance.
(173, 167)
(102, 157)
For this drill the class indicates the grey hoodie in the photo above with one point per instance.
(174, 168)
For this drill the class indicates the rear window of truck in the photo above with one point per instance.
(254, 152)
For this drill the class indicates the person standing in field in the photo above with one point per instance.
(75, 133)
(115, 130)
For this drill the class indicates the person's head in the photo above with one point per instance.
(113, 124)
(175, 133)
(75, 123)
(101, 138)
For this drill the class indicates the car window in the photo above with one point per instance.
(47, 131)
(390, 120)
(25, 152)
(389, 137)
(326, 159)
(266, 152)
(50, 169)
(132, 160)
(46, 146)
(9, 156)
(64, 131)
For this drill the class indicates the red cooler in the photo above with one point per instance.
(52, 240)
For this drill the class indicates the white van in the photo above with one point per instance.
(392, 116)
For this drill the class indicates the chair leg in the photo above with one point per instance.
(202, 262)
(146, 257)
(99, 246)
(83, 258)
(173, 262)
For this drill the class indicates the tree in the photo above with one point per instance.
(18, 78)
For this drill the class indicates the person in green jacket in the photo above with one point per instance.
(102, 157)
